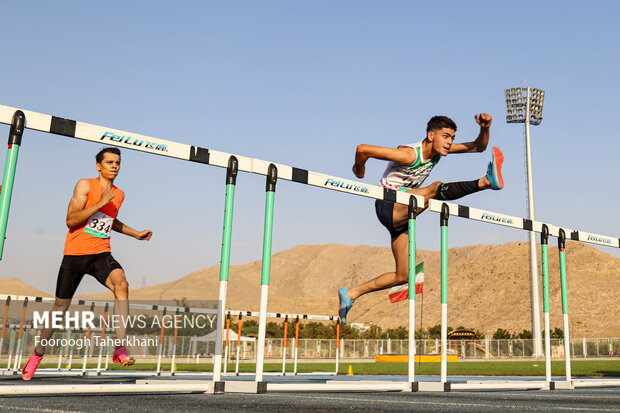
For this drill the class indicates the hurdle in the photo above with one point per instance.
(20, 120)
(297, 318)
(16, 351)
(446, 209)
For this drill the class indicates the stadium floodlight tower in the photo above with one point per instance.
(525, 105)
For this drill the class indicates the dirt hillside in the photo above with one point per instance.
(488, 286)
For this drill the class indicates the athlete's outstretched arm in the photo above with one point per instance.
(76, 214)
(481, 142)
(403, 155)
(118, 226)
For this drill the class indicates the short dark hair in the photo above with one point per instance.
(440, 122)
(102, 152)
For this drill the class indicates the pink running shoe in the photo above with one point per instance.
(31, 366)
(121, 357)
(494, 172)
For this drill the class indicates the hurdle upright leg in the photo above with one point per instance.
(544, 238)
(567, 354)
(160, 348)
(272, 177)
(238, 344)
(5, 320)
(413, 206)
(62, 349)
(445, 214)
(226, 343)
(284, 339)
(18, 347)
(102, 341)
(337, 345)
(296, 345)
(231, 181)
(15, 140)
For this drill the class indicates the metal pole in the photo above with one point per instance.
(231, 181)
(413, 206)
(272, 177)
(15, 140)
(535, 294)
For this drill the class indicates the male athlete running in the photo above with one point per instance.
(91, 217)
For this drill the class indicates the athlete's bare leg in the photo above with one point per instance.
(400, 244)
(60, 305)
(400, 251)
(117, 283)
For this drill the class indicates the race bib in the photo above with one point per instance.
(99, 225)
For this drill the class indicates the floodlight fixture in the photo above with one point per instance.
(524, 101)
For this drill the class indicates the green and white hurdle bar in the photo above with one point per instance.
(23, 119)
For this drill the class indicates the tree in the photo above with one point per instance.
(557, 333)
(501, 334)
(525, 334)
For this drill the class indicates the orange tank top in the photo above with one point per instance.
(93, 235)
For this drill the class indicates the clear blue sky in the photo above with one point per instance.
(302, 83)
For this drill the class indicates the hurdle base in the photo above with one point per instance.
(246, 387)
(563, 385)
(219, 387)
(434, 386)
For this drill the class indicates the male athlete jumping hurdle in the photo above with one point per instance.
(409, 165)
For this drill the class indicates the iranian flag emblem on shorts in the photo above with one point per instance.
(401, 292)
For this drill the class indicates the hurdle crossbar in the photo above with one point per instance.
(282, 315)
(115, 137)
(522, 223)
(97, 303)
(128, 140)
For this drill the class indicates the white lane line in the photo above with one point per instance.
(421, 402)
(36, 409)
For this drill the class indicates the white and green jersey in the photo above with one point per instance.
(405, 177)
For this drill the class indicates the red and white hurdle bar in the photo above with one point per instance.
(286, 317)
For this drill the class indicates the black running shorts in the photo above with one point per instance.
(74, 267)
(385, 213)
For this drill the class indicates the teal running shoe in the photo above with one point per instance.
(494, 172)
(345, 304)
